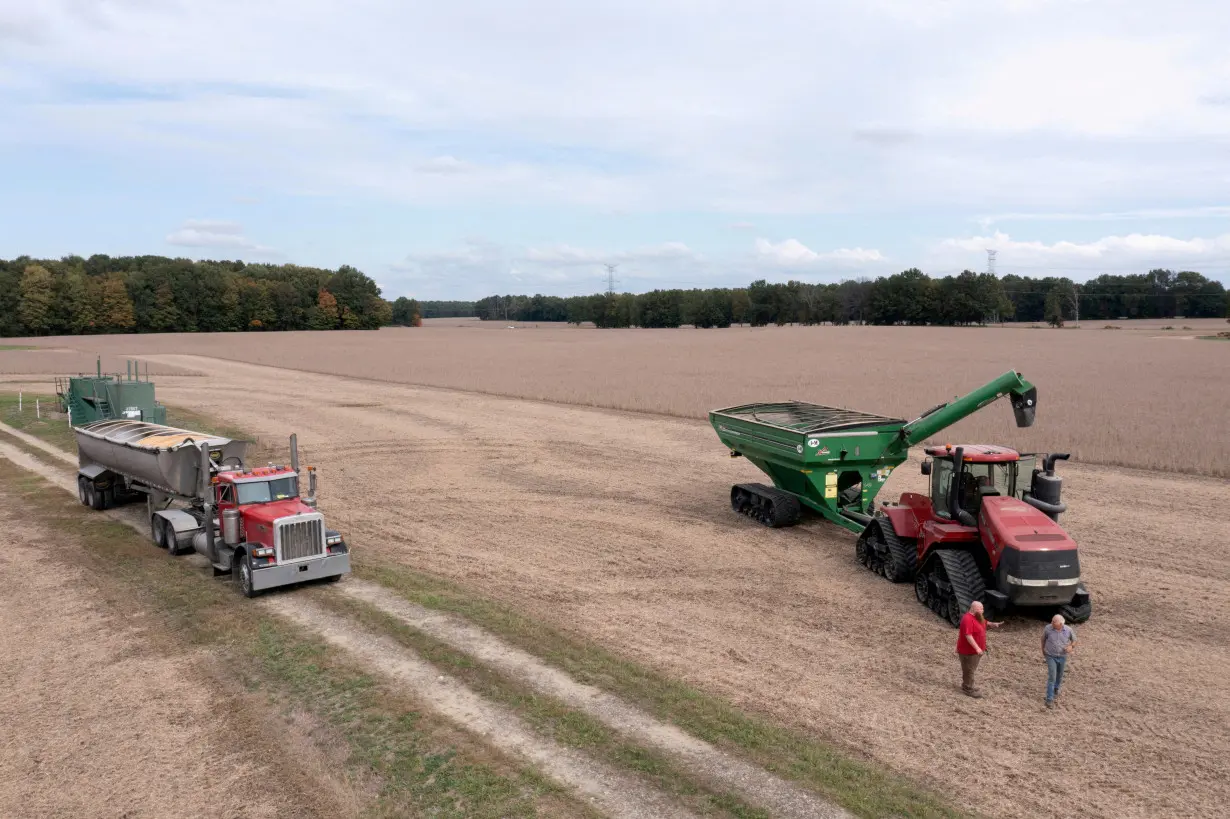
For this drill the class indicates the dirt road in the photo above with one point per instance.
(616, 527)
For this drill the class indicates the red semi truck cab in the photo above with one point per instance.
(278, 537)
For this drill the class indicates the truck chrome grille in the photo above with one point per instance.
(300, 538)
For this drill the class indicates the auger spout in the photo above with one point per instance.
(1022, 394)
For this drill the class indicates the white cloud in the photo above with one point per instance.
(794, 252)
(1135, 251)
(1143, 214)
(213, 233)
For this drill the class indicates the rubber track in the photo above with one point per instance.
(964, 575)
(786, 507)
(1077, 614)
(904, 554)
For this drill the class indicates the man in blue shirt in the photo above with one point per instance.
(1058, 641)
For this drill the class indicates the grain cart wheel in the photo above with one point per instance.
(85, 501)
(243, 575)
(97, 500)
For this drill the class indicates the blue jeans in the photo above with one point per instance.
(1054, 675)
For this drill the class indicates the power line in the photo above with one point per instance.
(610, 279)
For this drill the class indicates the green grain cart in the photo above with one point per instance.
(834, 460)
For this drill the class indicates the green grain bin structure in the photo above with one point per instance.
(107, 397)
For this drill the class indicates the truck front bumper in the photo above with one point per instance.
(283, 575)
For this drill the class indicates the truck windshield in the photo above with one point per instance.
(266, 491)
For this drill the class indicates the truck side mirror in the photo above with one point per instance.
(926, 466)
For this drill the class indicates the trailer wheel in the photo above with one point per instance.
(98, 501)
(81, 491)
(168, 538)
(243, 575)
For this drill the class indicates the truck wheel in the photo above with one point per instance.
(98, 501)
(243, 576)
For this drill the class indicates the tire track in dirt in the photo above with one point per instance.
(615, 794)
(612, 792)
(39, 444)
(637, 551)
(752, 782)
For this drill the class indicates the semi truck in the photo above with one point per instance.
(200, 496)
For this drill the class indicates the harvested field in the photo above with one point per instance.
(616, 527)
(63, 361)
(1133, 398)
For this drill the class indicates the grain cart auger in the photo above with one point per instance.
(984, 533)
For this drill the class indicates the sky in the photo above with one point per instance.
(455, 150)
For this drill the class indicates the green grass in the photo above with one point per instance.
(421, 765)
(861, 786)
(4, 347)
(554, 718)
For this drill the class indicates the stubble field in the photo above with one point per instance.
(1140, 396)
(615, 526)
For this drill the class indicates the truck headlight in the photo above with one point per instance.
(264, 551)
(333, 540)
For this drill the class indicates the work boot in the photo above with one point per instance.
(972, 692)
(1050, 704)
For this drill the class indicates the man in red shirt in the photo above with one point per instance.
(971, 645)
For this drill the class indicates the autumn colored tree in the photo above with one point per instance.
(325, 315)
(36, 300)
(81, 306)
(115, 313)
(164, 318)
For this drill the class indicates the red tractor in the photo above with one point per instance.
(989, 531)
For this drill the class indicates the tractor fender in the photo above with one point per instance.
(902, 517)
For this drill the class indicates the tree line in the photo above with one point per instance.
(908, 297)
(150, 294)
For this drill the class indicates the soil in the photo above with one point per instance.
(99, 721)
(760, 787)
(615, 794)
(616, 527)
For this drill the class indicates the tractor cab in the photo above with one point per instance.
(984, 471)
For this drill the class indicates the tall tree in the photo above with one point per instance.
(115, 313)
(36, 300)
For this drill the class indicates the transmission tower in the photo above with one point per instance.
(610, 279)
(991, 261)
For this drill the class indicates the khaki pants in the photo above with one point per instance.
(969, 664)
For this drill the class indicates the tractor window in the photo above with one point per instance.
(941, 482)
(1024, 475)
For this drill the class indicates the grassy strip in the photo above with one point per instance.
(861, 787)
(420, 765)
(4, 347)
(552, 717)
